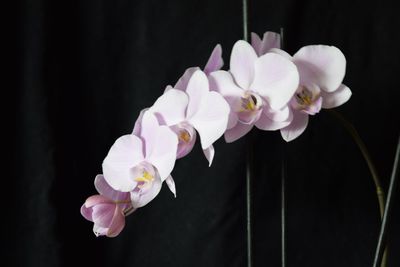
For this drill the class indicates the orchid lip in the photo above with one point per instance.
(186, 138)
(144, 175)
(307, 100)
(250, 107)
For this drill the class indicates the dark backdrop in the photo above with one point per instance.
(86, 69)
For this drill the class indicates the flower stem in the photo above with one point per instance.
(249, 161)
(283, 186)
(388, 207)
(379, 191)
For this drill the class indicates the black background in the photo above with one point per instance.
(86, 69)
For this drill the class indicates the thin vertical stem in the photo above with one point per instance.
(283, 209)
(249, 165)
(245, 20)
(382, 240)
(249, 170)
(283, 190)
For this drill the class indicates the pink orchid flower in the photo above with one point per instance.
(193, 109)
(107, 210)
(257, 90)
(139, 164)
(322, 69)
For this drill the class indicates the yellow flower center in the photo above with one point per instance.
(146, 177)
(304, 97)
(184, 136)
(249, 103)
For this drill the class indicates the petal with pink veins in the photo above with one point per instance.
(242, 61)
(117, 224)
(171, 106)
(296, 127)
(336, 98)
(237, 132)
(125, 153)
(276, 79)
(321, 64)
(95, 200)
(103, 213)
(215, 62)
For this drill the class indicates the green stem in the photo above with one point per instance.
(379, 191)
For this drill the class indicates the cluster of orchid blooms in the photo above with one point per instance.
(264, 87)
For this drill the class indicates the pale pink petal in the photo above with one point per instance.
(103, 213)
(183, 81)
(137, 128)
(237, 132)
(276, 79)
(281, 52)
(314, 108)
(336, 98)
(141, 199)
(242, 63)
(209, 152)
(169, 87)
(163, 154)
(215, 62)
(296, 127)
(171, 107)
(232, 120)
(321, 64)
(184, 146)
(249, 117)
(96, 199)
(278, 115)
(87, 212)
(171, 184)
(256, 43)
(270, 40)
(124, 154)
(149, 132)
(99, 231)
(117, 223)
(106, 190)
(197, 89)
(267, 124)
(222, 82)
(211, 118)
